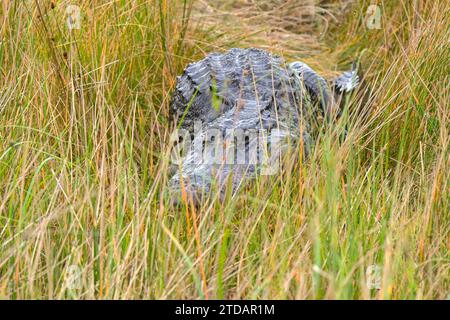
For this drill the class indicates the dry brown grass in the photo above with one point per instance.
(84, 157)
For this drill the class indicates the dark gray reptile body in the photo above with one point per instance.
(247, 89)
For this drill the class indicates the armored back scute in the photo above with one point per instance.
(241, 90)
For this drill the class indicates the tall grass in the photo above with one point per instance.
(84, 131)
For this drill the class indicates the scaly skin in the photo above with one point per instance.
(242, 89)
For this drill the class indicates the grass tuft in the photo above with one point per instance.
(84, 165)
